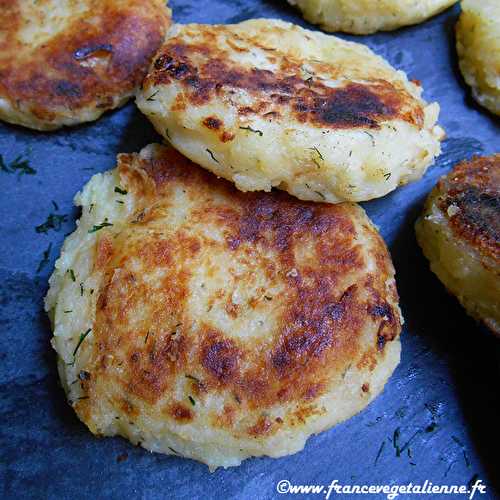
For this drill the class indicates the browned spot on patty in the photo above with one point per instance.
(180, 413)
(99, 55)
(309, 100)
(471, 201)
(220, 358)
(212, 123)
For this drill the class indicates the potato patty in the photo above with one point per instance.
(478, 46)
(218, 325)
(459, 233)
(362, 17)
(64, 62)
(268, 104)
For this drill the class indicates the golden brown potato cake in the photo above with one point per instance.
(213, 324)
(64, 62)
(478, 46)
(363, 17)
(267, 104)
(459, 233)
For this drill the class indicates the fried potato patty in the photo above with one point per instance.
(478, 46)
(459, 233)
(64, 62)
(268, 104)
(362, 17)
(204, 322)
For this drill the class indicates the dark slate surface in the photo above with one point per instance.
(442, 397)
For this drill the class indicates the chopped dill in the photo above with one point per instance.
(72, 274)
(387, 176)
(83, 336)
(371, 137)
(18, 165)
(317, 151)
(54, 221)
(81, 289)
(212, 155)
(255, 131)
(118, 189)
(192, 401)
(152, 96)
(380, 450)
(100, 226)
(45, 258)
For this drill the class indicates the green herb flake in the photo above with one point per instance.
(212, 155)
(72, 274)
(120, 202)
(192, 378)
(54, 221)
(19, 165)
(45, 258)
(371, 137)
(317, 151)
(255, 131)
(119, 190)
(192, 401)
(81, 289)
(152, 96)
(100, 226)
(83, 336)
(380, 450)
(68, 311)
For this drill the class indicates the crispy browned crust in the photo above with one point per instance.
(57, 74)
(474, 188)
(329, 298)
(204, 70)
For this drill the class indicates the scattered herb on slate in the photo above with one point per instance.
(45, 258)
(54, 221)
(380, 450)
(19, 165)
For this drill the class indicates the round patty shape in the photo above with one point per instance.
(459, 233)
(208, 323)
(362, 17)
(268, 104)
(478, 46)
(64, 62)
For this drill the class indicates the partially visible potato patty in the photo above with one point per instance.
(478, 46)
(363, 17)
(268, 104)
(459, 233)
(64, 62)
(200, 321)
